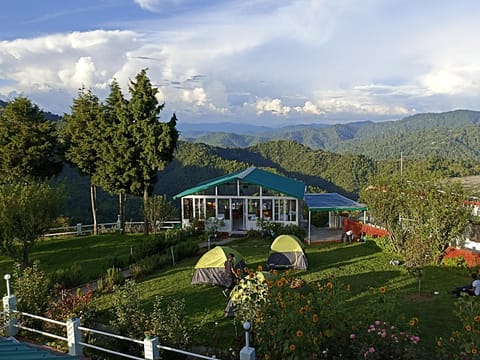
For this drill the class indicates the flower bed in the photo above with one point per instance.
(472, 258)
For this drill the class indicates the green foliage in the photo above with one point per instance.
(268, 229)
(423, 215)
(113, 277)
(28, 142)
(128, 317)
(159, 209)
(464, 343)
(385, 340)
(300, 320)
(168, 321)
(69, 277)
(70, 305)
(456, 262)
(27, 210)
(32, 287)
(298, 231)
(148, 265)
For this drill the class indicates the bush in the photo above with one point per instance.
(148, 265)
(185, 249)
(455, 262)
(68, 278)
(464, 343)
(298, 231)
(168, 321)
(32, 287)
(384, 340)
(113, 261)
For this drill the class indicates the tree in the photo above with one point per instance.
(159, 210)
(116, 171)
(27, 210)
(83, 140)
(155, 141)
(28, 142)
(422, 215)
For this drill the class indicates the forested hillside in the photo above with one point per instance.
(454, 134)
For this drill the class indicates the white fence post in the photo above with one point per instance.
(247, 352)
(79, 229)
(150, 347)
(74, 336)
(9, 307)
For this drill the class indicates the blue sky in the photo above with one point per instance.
(270, 62)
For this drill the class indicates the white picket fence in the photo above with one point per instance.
(82, 229)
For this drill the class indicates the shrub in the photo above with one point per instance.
(185, 249)
(455, 262)
(70, 305)
(128, 316)
(32, 288)
(168, 321)
(148, 265)
(68, 278)
(463, 343)
(294, 320)
(384, 340)
(113, 277)
(113, 261)
(298, 231)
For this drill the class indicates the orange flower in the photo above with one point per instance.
(251, 275)
(477, 318)
(299, 333)
(468, 327)
(279, 283)
(239, 271)
(382, 290)
(332, 276)
(270, 284)
(315, 318)
(292, 347)
(330, 285)
(474, 351)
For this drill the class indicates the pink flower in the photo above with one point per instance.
(352, 336)
(371, 349)
(384, 334)
(377, 323)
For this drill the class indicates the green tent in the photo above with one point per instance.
(287, 251)
(210, 268)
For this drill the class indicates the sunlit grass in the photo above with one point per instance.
(363, 266)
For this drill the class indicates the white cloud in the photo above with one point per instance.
(273, 106)
(309, 108)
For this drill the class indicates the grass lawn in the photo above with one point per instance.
(363, 266)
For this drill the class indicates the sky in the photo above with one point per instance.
(263, 62)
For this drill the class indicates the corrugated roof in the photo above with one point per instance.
(255, 176)
(332, 202)
(12, 349)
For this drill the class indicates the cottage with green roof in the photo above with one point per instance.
(239, 199)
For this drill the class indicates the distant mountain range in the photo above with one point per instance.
(453, 134)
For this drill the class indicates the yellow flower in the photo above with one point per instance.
(439, 343)
(299, 333)
(474, 350)
(239, 271)
(292, 347)
(259, 268)
(382, 290)
(267, 357)
(477, 318)
(315, 318)
(251, 275)
(411, 322)
(332, 276)
(329, 285)
(279, 283)
(468, 327)
(270, 284)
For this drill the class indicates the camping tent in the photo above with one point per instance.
(210, 268)
(286, 251)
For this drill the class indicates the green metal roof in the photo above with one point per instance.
(255, 176)
(12, 349)
(332, 202)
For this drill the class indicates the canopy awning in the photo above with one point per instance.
(332, 202)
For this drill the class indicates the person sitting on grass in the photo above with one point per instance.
(472, 289)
